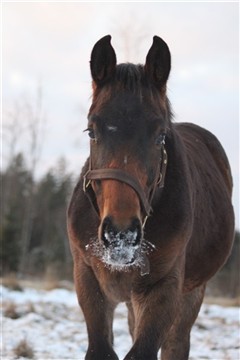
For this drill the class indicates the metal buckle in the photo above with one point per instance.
(86, 182)
(144, 221)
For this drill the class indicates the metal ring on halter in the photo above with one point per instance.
(86, 182)
(144, 221)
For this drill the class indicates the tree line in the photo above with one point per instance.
(33, 219)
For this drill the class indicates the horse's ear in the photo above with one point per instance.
(158, 62)
(103, 61)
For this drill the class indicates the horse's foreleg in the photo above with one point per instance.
(177, 342)
(98, 313)
(154, 312)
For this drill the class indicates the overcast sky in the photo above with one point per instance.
(49, 44)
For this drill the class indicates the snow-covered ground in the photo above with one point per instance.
(52, 323)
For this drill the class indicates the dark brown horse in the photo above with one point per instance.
(150, 220)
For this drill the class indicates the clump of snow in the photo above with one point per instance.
(122, 253)
(54, 326)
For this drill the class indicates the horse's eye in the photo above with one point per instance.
(91, 133)
(160, 140)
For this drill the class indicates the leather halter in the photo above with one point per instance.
(125, 177)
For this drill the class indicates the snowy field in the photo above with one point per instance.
(52, 324)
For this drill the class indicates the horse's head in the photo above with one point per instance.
(128, 121)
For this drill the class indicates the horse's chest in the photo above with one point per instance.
(116, 286)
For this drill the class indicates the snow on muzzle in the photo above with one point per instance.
(121, 246)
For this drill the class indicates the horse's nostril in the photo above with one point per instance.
(107, 231)
(136, 227)
(112, 236)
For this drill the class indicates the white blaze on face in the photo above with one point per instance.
(112, 128)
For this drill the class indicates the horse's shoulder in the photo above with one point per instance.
(190, 131)
(201, 143)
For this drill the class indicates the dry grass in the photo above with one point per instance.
(222, 301)
(48, 282)
(16, 311)
(12, 282)
(24, 349)
(56, 284)
(10, 311)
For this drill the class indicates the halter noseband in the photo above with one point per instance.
(125, 177)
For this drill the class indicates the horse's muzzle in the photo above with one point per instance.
(122, 246)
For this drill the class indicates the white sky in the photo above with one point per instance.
(49, 43)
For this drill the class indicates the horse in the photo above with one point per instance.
(150, 220)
